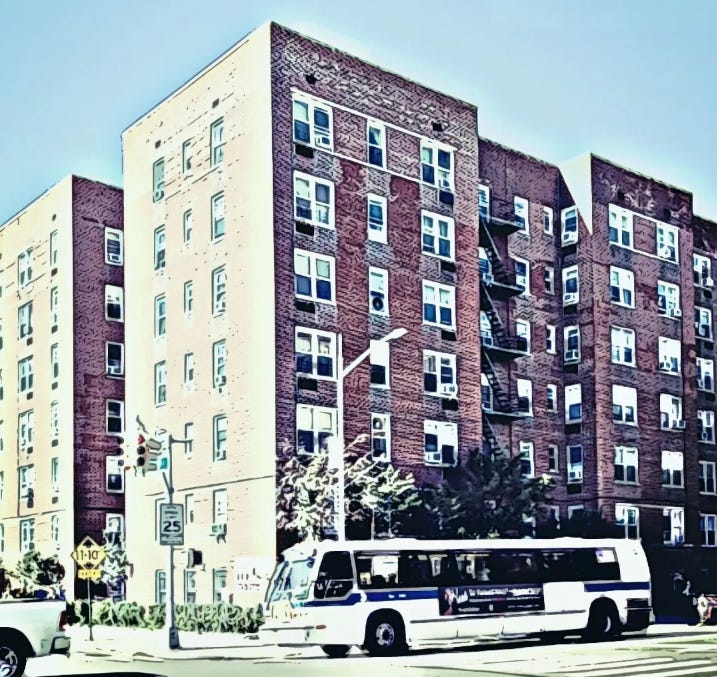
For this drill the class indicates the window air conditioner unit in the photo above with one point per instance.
(664, 252)
(448, 390)
(114, 257)
(705, 436)
(679, 425)
(378, 424)
(572, 355)
(574, 475)
(487, 340)
(322, 140)
(219, 529)
(665, 366)
(220, 381)
(114, 370)
(570, 297)
(701, 384)
(709, 282)
(432, 457)
(158, 194)
(675, 312)
(221, 305)
(378, 301)
(569, 236)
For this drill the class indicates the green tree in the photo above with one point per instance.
(487, 496)
(33, 571)
(114, 566)
(590, 524)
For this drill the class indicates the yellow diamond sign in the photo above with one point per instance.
(88, 554)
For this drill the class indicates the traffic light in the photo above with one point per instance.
(142, 452)
(125, 461)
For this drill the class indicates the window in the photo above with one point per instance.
(26, 429)
(483, 202)
(114, 416)
(159, 248)
(705, 374)
(114, 303)
(376, 211)
(702, 270)
(54, 362)
(520, 211)
(553, 456)
(550, 339)
(548, 220)
(438, 235)
(381, 437)
(707, 477)
(114, 475)
(216, 142)
(114, 359)
(667, 242)
(378, 291)
(439, 373)
(522, 332)
(188, 369)
(160, 383)
(220, 437)
(626, 464)
(114, 247)
(24, 268)
(705, 426)
(380, 358)
(668, 299)
(158, 180)
(220, 505)
(571, 341)
(55, 475)
(54, 422)
(436, 165)
(522, 275)
(376, 138)
(160, 316)
(624, 404)
(669, 354)
(54, 306)
(671, 412)
(314, 425)
(672, 469)
(439, 304)
(673, 526)
(628, 518)
(440, 443)
(219, 284)
(189, 296)
(571, 285)
(219, 584)
(160, 587)
(25, 375)
(187, 223)
(622, 287)
(622, 346)
(551, 397)
(190, 587)
(527, 458)
(314, 276)
(524, 388)
(53, 248)
(620, 226)
(189, 436)
(708, 529)
(27, 482)
(218, 226)
(315, 353)
(313, 200)
(549, 278)
(219, 363)
(2, 485)
(575, 464)
(24, 320)
(573, 403)
(189, 507)
(312, 123)
(27, 535)
(2, 386)
(703, 323)
(569, 219)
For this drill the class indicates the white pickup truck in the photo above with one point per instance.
(29, 628)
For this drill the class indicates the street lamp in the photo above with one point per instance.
(338, 447)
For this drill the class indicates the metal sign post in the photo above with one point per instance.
(88, 556)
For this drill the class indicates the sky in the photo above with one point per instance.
(634, 82)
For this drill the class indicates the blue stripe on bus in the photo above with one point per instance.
(607, 587)
(376, 596)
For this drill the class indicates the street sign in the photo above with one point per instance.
(91, 574)
(88, 554)
(171, 524)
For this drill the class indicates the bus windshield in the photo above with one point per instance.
(290, 580)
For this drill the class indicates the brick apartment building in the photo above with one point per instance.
(61, 371)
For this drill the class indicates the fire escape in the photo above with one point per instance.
(498, 345)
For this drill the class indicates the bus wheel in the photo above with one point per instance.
(385, 634)
(335, 650)
(603, 623)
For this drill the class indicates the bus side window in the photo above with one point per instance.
(336, 576)
(559, 566)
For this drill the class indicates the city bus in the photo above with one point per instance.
(388, 596)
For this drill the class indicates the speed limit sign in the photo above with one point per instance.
(171, 524)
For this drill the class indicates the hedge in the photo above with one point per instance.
(217, 617)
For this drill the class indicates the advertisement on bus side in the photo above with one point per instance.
(489, 599)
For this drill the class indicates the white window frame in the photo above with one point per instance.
(669, 356)
(113, 467)
(54, 362)
(548, 220)
(522, 330)
(439, 296)
(219, 363)
(220, 506)
(571, 335)
(218, 215)
(55, 305)
(378, 146)
(570, 225)
(158, 180)
(443, 367)
(628, 459)
(320, 135)
(525, 278)
(628, 517)
(24, 268)
(702, 271)
(622, 284)
(380, 356)
(114, 296)
(319, 341)
(668, 299)
(705, 374)
(703, 323)
(24, 320)
(26, 429)
(708, 529)
(551, 397)
(114, 415)
(526, 451)
(189, 297)
(707, 477)
(671, 412)
(443, 178)
(160, 383)
(25, 375)
(446, 436)
(484, 201)
(187, 226)
(187, 157)
(571, 278)
(667, 242)
(521, 212)
(189, 436)
(160, 316)
(188, 370)
(219, 290)
(620, 226)
(53, 248)
(216, 142)
(624, 404)
(551, 339)
(524, 390)
(706, 426)
(553, 458)
(574, 469)
(378, 291)
(318, 416)
(676, 533)
(622, 340)
(673, 469)
(319, 213)
(27, 534)
(573, 395)
(313, 278)
(549, 279)
(54, 421)
(377, 218)
(432, 235)
(190, 506)
(160, 248)
(381, 436)
(114, 235)
(111, 368)
(220, 427)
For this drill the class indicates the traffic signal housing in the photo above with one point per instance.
(142, 452)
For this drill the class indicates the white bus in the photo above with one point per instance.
(391, 595)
